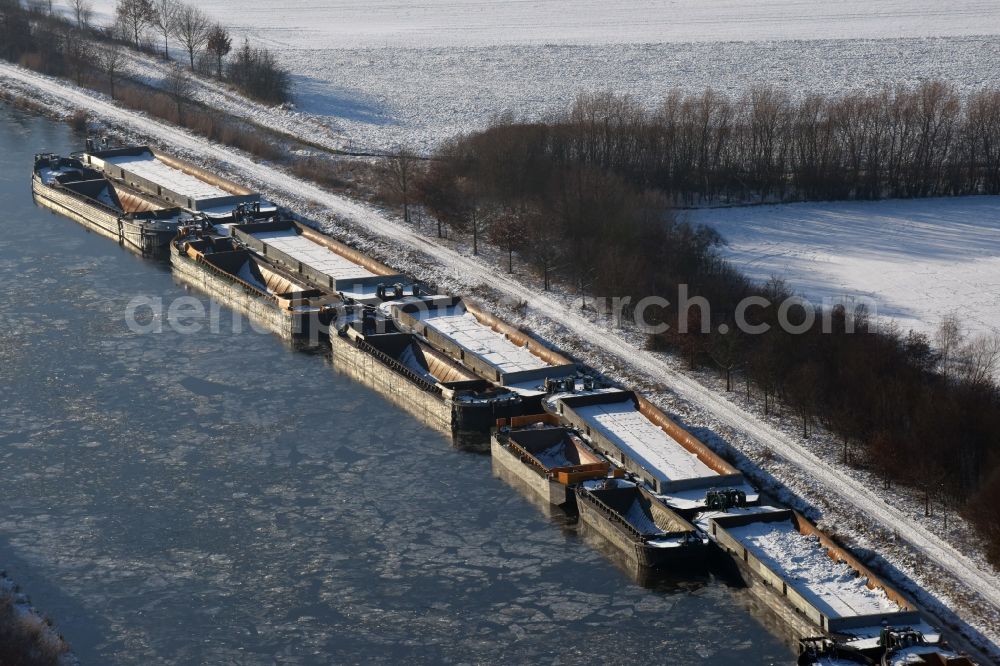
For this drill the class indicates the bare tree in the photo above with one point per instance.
(78, 54)
(476, 214)
(727, 350)
(400, 173)
(111, 59)
(508, 231)
(166, 19)
(981, 359)
(82, 11)
(544, 248)
(191, 28)
(178, 85)
(219, 44)
(948, 339)
(135, 17)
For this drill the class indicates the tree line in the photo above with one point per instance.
(586, 200)
(35, 36)
(900, 141)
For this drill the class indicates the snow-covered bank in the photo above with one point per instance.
(26, 635)
(952, 578)
(918, 259)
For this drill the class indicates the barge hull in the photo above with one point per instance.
(548, 490)
(234, 296)
(430, 408)
(638, 552)
(130, 236)
(796, 625)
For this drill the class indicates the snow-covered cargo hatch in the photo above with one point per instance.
(492, 348)
(175, 181)
(322, 260)
(645, 441)
(816, 576)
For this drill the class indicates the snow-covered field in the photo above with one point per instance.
(387, 73)
(422, 23)
(918, 259)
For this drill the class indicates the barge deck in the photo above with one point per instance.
(323, 261)
(174, 181)
(493, 349)
(633, 433)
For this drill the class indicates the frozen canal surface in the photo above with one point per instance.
(220, 499)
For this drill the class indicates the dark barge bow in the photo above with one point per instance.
(639, 524)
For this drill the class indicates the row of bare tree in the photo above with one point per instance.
(255, 71)
(71, 46)
(172, 19)
(890, 142)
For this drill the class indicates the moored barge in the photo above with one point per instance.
(429, 384)
(252, 286)
(324, 261)
(174, 181)
(816, 585)
(639, 524)
(492, 348)
(546, 458)
(135, 220)
(639, 437)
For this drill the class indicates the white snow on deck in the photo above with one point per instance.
(493, 347)
(313, 255)
(148, 167)
(637, 516)
(643, 441)
(832, 587)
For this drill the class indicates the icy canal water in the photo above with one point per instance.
(220, 499)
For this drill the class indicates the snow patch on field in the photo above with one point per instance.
(918, 259)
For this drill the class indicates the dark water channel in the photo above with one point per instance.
(217, 498)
